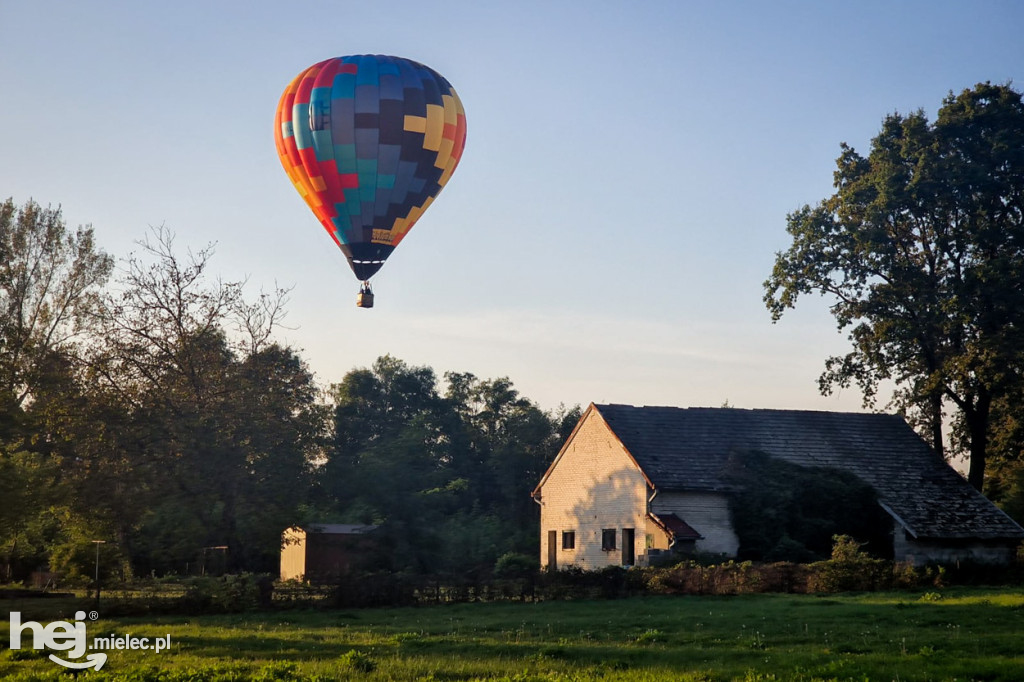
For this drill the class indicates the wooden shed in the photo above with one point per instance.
(321, 552)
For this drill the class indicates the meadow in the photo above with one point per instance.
(955, 634)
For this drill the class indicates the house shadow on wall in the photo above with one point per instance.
(606, 527)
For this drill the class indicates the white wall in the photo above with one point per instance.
(707, 513)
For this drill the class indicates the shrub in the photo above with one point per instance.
(513, 565)
(850, 569)
(274, 672)
(357, 661)
(227, 594)
(905, 576)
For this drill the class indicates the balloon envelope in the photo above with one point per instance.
(369, 141)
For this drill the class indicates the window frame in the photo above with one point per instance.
(568, 540)
(609, 539)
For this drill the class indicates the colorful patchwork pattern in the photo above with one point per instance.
(369, 141)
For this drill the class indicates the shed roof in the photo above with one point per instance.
(679, 529)
(687, 448)
(338, 528)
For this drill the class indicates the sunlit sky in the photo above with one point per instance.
(628, 170)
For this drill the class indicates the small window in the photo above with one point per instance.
(568, 539)
(608, 539)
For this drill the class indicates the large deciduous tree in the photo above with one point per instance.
(50, 283)
(921, 251)
(219, 430)
(50, 280)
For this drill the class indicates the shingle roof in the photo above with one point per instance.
(686, 449)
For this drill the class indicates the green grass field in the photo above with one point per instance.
(962, 634)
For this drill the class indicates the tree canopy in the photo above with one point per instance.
(920, 251)
(443, 467)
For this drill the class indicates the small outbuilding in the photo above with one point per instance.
(321, 552)
(631, 482)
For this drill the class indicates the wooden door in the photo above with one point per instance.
(552, 550)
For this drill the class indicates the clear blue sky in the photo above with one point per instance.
(625, 184)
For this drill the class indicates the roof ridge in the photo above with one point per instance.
(696, 408)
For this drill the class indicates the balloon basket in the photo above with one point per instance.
(365, 297)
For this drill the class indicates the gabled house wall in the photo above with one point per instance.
(593, 486)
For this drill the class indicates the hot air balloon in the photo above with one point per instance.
(369, 141)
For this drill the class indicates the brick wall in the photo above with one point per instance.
(594, 486)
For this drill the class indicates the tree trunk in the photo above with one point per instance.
(935, 416)
(977, 428)
(976, 472)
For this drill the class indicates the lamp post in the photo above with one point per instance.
(98, 543)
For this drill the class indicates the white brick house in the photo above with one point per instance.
(593, 486)
(631, 481)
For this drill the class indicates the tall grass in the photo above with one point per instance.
(959, 634)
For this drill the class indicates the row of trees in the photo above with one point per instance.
(146, 404)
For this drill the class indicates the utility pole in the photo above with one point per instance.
(97, 577)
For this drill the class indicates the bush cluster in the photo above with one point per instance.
(849, 568)
(229, 593)
(192, 596)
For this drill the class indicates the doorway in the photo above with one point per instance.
(552, 550)
(628, 550)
